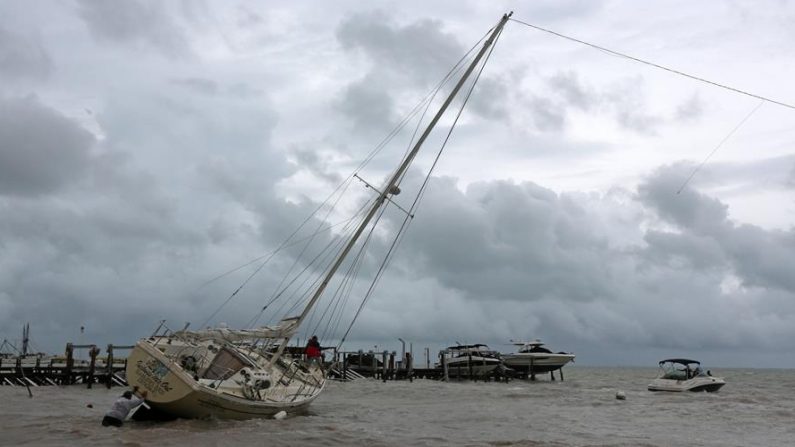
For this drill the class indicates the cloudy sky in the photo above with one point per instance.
(147, 147)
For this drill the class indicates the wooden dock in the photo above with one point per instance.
(384, 366)
(41, 370)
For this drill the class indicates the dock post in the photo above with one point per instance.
(392, 365)
(410, 366)
(109, 378)
(552, 376)
(561, 374)
(532, 370)
(373, 364)
(92, 352)
(427, 358)
(469, 365)
(344, 366)
(384, 365)
(445, 369)
(70, 363)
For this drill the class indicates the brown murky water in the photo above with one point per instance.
(755, 408)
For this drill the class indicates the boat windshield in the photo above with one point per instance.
(681, 369)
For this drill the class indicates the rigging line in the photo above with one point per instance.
(324, 254)
(652, 64)
(697, 168)
(261, 266)
(353, 272)
(295, 242)
(276, 291)
(364, 163)
(357, 256)
(343, 289)
(406, 220)
(328, 259)
(428, 97)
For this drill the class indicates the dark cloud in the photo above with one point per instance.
(420, 50)
(489, 98)
(546, 114)
(628, 101)
(506, 241)
(23, 57)
(369, 107)
(574, 92)
(625, 100)
(689, 208)
(135, 21)
(40, 149)
(317, 164)
(706, 235)
(690, 110)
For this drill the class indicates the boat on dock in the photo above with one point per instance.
(679, 375)
(476, 360)
(247, 373)
(533, 358)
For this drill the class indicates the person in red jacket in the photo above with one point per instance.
(313, 349)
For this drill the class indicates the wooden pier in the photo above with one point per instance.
(41, 370)
(110, 370)
(352, 365)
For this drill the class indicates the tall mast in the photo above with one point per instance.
(395, 178)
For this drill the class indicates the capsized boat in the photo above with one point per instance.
(685, 375)
(239, 374)
(532, 358)
(470, 360)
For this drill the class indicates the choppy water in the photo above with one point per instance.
(755, 408)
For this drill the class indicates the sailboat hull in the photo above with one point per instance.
(173, 391)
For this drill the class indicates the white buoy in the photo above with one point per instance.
(280, 415)
(621, 396)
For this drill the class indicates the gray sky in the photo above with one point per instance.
(146, 147)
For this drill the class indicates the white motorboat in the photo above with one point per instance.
(685, 375)
(470, 360)
(245, 373)
(533, 358)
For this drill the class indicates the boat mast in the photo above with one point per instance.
(390, 186)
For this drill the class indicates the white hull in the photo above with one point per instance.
(536, 362)
(699, 383)
(478, 366)
(174, 391)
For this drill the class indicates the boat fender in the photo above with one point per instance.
(188, 363)
(246, 374)
(621, 395)
(262, 384)
(280, 415)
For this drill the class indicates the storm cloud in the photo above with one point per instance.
(203, 134)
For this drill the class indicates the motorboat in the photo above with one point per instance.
(685, 375)
(470, 360)
(532, 358)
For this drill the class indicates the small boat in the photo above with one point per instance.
(533, 358)
(470, 360)
(685, 375)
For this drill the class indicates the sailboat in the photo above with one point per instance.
(248, 373)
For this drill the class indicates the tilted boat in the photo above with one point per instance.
(239, 374)
(532, 358)
(685, 375)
